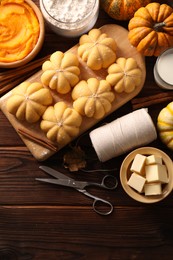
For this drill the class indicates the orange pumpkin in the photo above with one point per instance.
(151, 29)
(122, 9)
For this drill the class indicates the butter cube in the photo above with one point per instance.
(138, 163)
(153, 159)
(153, 189)
(137, 182)
(156, 173)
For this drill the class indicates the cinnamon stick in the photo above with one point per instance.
(36, 139)
(13, 77)
(152, 100)
(7, 85)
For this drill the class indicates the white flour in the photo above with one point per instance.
(70, 18)
(69, 11)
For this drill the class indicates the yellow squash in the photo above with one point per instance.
(165, 125)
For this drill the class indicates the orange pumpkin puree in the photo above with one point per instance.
(19, 30)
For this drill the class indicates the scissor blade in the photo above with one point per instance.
(64, 182)
(54, 173)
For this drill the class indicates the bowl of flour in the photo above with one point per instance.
(70, 18)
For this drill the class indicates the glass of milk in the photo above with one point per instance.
(163, 69)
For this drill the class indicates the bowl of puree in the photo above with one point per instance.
(21, 32)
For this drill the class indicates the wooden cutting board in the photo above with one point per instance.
(124, 49)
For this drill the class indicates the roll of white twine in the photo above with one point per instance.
(123, 134)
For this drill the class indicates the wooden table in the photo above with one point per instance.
(43, 221)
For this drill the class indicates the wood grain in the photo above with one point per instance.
(45, 222)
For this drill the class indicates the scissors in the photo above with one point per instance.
(108, 182)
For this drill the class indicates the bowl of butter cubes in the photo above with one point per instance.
(146, 175)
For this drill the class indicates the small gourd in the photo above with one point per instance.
(97, 49)
(61, 72)
(93, 98)
(29, 101)
(165, 125)
(122, 9)
(151, 29)
(124, 75)
(61, 123)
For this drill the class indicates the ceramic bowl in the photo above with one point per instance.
(125, 175)
(37, 47)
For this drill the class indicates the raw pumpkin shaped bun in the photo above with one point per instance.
(29, 101)
(92, 98)
(61, 123)
(97, 49)
(61, 72)
(165, 125)
(124, 75)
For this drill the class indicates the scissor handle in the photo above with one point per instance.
(101, 206)
(109, 182)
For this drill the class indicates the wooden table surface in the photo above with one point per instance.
(43, 221)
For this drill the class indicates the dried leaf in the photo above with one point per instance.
(75, 159)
